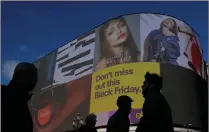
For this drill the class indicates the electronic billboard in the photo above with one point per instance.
(89, 73)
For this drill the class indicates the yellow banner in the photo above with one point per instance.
(124, 79)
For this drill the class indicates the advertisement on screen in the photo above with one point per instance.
(55, 108)
(64, 75)
(75, 59)
(46, 68)
(110, 83)
(116, 42)
(168, 40)
(89, 73)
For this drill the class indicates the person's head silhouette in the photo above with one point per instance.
(124, 103)
(150, 81)
(91, 119)
(25, 75)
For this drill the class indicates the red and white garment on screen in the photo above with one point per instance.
(193, 51)
(194, 54)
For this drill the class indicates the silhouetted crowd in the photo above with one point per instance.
(157, 116)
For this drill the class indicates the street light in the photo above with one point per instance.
(78, 122)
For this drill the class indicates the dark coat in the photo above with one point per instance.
(118, 122)
(157, 116)
(15, 113)
(87, 128)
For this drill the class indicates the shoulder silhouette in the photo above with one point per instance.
(157, 114)
(16, 115)
(119, 121)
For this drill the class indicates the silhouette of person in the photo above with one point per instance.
(3, 86)
(157, 116)
(119, 121)
(90, 122)
(15, 112)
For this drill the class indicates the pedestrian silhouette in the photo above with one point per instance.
(119, 121)
(90, 122)
(15, 112)
(157, 116)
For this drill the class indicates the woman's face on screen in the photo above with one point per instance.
(167, 25)
(116, 33)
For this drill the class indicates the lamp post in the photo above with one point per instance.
(78, 122)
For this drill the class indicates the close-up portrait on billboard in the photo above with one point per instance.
(88, 74)
(116, 44)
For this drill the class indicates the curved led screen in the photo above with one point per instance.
(89, 73)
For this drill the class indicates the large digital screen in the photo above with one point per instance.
(89, 73)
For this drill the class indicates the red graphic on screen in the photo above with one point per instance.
(196, 57)
(77, 92)
(44, 115)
